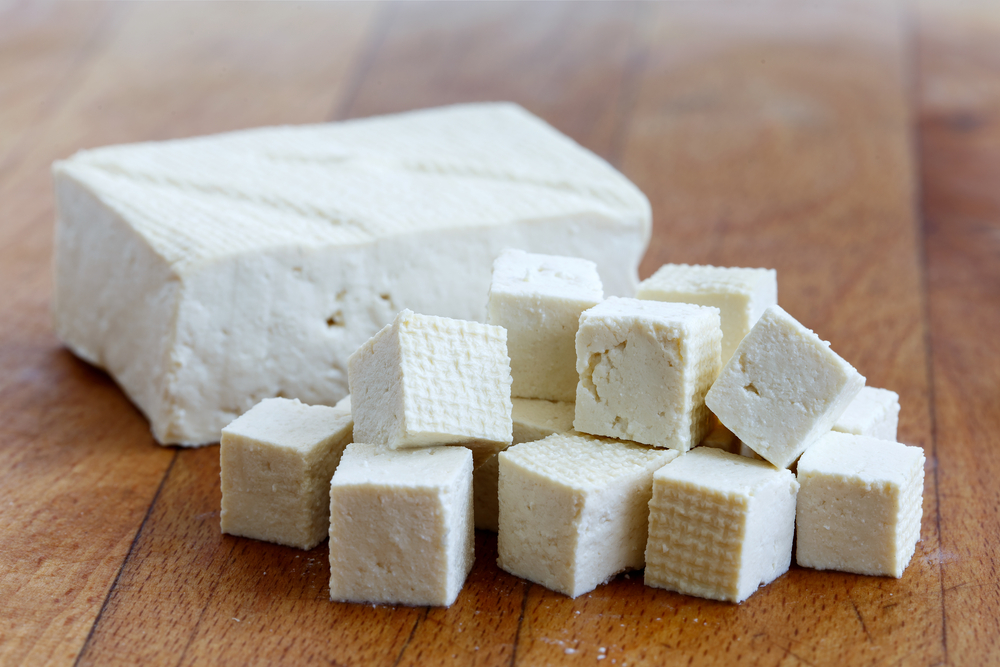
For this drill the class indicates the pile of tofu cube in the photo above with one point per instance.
(595, 436)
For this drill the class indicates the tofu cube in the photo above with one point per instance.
(644, 370)
(860, 505)
(538, 300)
(573, 509)
(401, 525)
(873, 412)
(720, 525)
(783, 389)
(425, 380)
(276, 463)
(741, 295)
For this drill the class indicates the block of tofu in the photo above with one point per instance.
(645, 367)
(276, 463)
(426, 380)
(574, 508)
(207, 274)
(783, 389)
(401, 525)
(538, 299)
(741, 295)
(720, 525)
(873, 412)
(860, 505)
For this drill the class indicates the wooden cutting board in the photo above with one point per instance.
(854, 148)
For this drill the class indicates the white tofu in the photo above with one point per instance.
(860, 506)
(720, 525)
(207, 274)
(538, 299)
(573, 509)
(873, 412)
(783, 389)
(426, 380)
(741, 295)
(401, 525)
(644, 370)
(276, 464)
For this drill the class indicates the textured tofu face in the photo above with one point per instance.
(873, 412)
(573, 509)
(644, 370)
(741, 295)
(427, 380)
(720, 525)
(538, 300)
(783, 389)
(401, 525)
(276, 464)
(860, 505)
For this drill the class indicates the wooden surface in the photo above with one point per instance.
(853, 147)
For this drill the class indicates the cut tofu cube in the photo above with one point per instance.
(783, 389)
(644, 370)
(426, 380)
(276, 464)
(741, 295)
(573, 509)
(538, 299)
(873, 412)
(860, 505)
(720, 525)
(401, 525)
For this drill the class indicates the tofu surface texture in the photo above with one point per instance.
(401, 526)
(206, 274)
(741, 295)
(538, 300)
(276, 464)
(783, 389)
(574, 509)
(720, 525)
(860, 505)
(645, 368)
(426, 380)
(873, 412)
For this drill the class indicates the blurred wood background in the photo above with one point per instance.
(853, 147)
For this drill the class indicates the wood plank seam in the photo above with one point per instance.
(416, 624)
(520, 621)
(376, 38)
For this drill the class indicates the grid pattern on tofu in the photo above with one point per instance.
(574, 509)
(426, 380)
(860, 505)
(720, 525)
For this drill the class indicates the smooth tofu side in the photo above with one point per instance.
(537, 418)
(376, 380)
(873, 412)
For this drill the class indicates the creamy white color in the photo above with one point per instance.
(276, 464)
(207, 274)
(426, 380)
(720, 525)
(538, 299)
(401, 527)
(573, 509)
(741, 295)
(873, 412)
(644, 370)
(783, 389)
(860, 505)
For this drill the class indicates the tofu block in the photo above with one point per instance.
(783, 389)
(538, 299)
(873, 412)
(720, 525)
(401, 525)
(276, 464)
(426, 380)
(206, 274)
(573, 509)
(644, 370)
(741, 295)
(860, 505)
